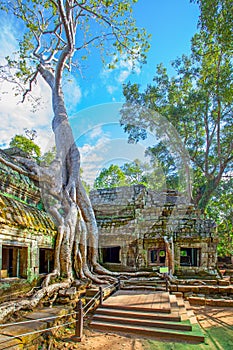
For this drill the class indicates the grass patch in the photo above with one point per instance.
(216, 338)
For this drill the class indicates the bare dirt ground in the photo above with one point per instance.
(209, 316)
(216, 322)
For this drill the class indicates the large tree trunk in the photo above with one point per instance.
(77, 226)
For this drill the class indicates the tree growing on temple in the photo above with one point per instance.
(56, 35)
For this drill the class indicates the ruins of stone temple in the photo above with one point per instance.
(27, 233)
(138, 228)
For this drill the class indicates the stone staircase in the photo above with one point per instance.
(148, 315)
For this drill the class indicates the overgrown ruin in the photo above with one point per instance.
(27, 232)
(135, 223)
(138, 228)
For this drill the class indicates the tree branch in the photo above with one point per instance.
(31, 80)
(47, 75)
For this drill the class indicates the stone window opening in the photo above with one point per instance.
(14, 261)
(190, 256)
(111, 254)
(157, 256)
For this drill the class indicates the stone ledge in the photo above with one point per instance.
(210, 302)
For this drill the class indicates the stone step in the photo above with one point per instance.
(162, 309)
(137, 321)
(151, 332)
(173, 300)
(144, 282)
(152, 315)
(144, 287)
(137, 313)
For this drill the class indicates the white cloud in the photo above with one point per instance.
(107, 151)
(73, 94)
(114, 78)
(7, 38)
(111, 89)
(123, 76)
(15, 116)
(96, 132)
(92, 158)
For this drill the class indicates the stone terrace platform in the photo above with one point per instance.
(148, 315)
(146, 300)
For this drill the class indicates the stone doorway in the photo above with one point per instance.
(46, 260)
(111, 254)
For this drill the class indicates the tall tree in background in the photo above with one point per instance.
(221, 210)
(197, 101)
(133, 173)
(216, 18)
(56, 34)
(110, 177)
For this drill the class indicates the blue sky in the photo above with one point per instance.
(96, 94)
(172, 23)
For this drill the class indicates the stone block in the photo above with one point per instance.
(178, 294)
(225, 289)
(196, 301)
(7, 342)
(219, 302)
(25, 331)
(71, 292)
(211, 282)
(223, 282)
(208, 289)
(187, 289)
(173, 288)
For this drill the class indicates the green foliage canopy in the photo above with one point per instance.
(26, 145)
(198, 102)
(110, 177)
(132, 173)
(221, 210)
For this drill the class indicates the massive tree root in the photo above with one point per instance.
(9, 308)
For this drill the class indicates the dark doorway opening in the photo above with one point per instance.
(46, 260)
(111, 254)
